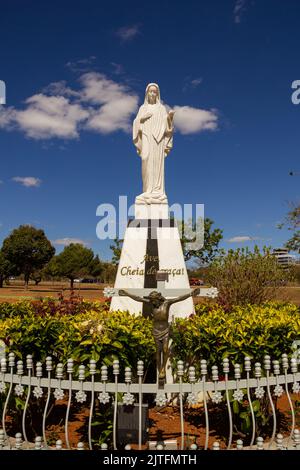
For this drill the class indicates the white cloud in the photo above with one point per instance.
(117, 102)
(246, 238)
(189, 120)
(27, 181)
(45, 117)
(98, 89)
(113, 116)
(50, 116)
(60, 88)
(127, 33)
(239, 239)
(67, 241)
(100, 104)
(191, 83)
(81, 65)
(239, 9)
(7, 116)
(196, 82)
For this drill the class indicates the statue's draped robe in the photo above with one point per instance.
(153, 140)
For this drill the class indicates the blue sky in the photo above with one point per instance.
(75, 75)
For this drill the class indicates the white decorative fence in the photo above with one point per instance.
(268, 380)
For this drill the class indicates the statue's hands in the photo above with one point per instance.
(170, 122)
(122, 292)
(145, 117)
(196, 291)
(171, 114)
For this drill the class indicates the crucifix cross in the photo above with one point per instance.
(162, 278)
(159, 308)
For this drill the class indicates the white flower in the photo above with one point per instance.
(192, 399)
(212, 292)
(238, 395)
(128, 399)
(216, 397)
(2, 387)
(38, 392)
(80, 396)
(259, 392)
(19, 390)
(278, 391)
(296, 387)
(59, 394)
(108, 291)
(161, 399)
(104, 397)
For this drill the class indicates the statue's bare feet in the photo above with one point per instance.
(162, 375)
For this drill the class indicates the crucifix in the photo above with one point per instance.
(162, 277)
(159, 302)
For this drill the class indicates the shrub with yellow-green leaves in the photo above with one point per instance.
(91, 332)
(251, 330)
(95, 334)
(46, 328)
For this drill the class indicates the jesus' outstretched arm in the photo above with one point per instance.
(183, 297)
(133, 297)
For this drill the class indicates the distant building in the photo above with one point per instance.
(283, 257)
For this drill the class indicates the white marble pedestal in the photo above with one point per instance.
(151, 243)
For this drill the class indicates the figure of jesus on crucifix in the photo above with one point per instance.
(160, 307)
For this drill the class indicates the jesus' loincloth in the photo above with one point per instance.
(160, 335)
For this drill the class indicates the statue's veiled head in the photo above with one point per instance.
(152, 94)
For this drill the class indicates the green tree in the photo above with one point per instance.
(245, 277)
(53, 269)
(212, 238)
(109, 272)
(292, 222)
(116, 249)
(27, 249)
(96, 267)
(6, 268)
(75, 261)
(37, 276)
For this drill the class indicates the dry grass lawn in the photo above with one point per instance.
(16, 291)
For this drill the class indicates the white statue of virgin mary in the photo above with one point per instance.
(153, 138)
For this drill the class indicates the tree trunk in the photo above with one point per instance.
(1, 282)
(26, 277)
(72, 283)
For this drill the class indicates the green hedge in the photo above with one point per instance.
(94, 334)
(252, 330)
(41, 329)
